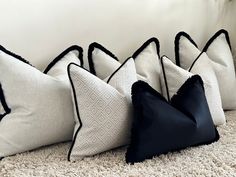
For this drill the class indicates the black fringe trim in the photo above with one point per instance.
(153, 39)
(187, 84)
(91, 47)
(94, 45)
(15, 55)
(216, 35)
(60, 56)
(139, 87)
(209, 42)
(177, 39)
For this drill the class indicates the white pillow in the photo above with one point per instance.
(173, 77)
(38, 108)
(103, 111)
(218, 50)
(102, 62)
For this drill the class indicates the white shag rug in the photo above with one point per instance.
(217, 159)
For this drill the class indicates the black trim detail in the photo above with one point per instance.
(183, 89)
(177, 39)
(191, 67)
(139, 148)
(91, 47)
(216, 35)
(94, 45)
(209, 42)
(76, 107)
(60, 56)
(118, 69)
(164, 74)
(187, 84)
(4, 104)
(76, 104)
(15, 55)
(142, 85)
(145, 44)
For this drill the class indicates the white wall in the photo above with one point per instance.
(40, 29)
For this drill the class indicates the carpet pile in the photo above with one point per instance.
(217, 159)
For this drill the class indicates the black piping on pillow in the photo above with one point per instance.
(15, 55)
(2, 97)
(91, 47)
(164, 73)
(209, 42)
(217, 34)
(191, 67)
(4, 104)
(160, 126)
(76, 108)
(94, 45)
(177, 39)
(153, 39)
(117, 69)
(76, 104)
(60, 56)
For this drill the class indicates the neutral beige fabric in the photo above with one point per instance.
(218, 159)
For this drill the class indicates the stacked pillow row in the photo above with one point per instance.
(174, 105)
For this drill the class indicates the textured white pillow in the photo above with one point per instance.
(102, 62)
(218, 50)
(173, 77)
(103, 111)
(38, 108)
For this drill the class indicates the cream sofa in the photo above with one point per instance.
(39, 30)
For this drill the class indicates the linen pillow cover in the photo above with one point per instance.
(160, 126)
(218, 49)
(102, 109)
(102, 62)
(173, 77)
(37, 108)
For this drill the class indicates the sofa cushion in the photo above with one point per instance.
(218, 49)
(37, 107)
(173, 77)
(103, 111)
(102, 62)
(160, 126)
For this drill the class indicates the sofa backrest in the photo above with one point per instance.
(38, 30)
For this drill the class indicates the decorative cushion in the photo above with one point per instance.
(37, 108)
(218, 50)
(102, 62)
(102, 109)
(174, 76)
(160, 126)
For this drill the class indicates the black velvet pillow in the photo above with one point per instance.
(160, 126)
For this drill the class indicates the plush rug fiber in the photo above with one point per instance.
(217, 159)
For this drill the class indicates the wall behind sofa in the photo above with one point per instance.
(228, 21)
(40, 29)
